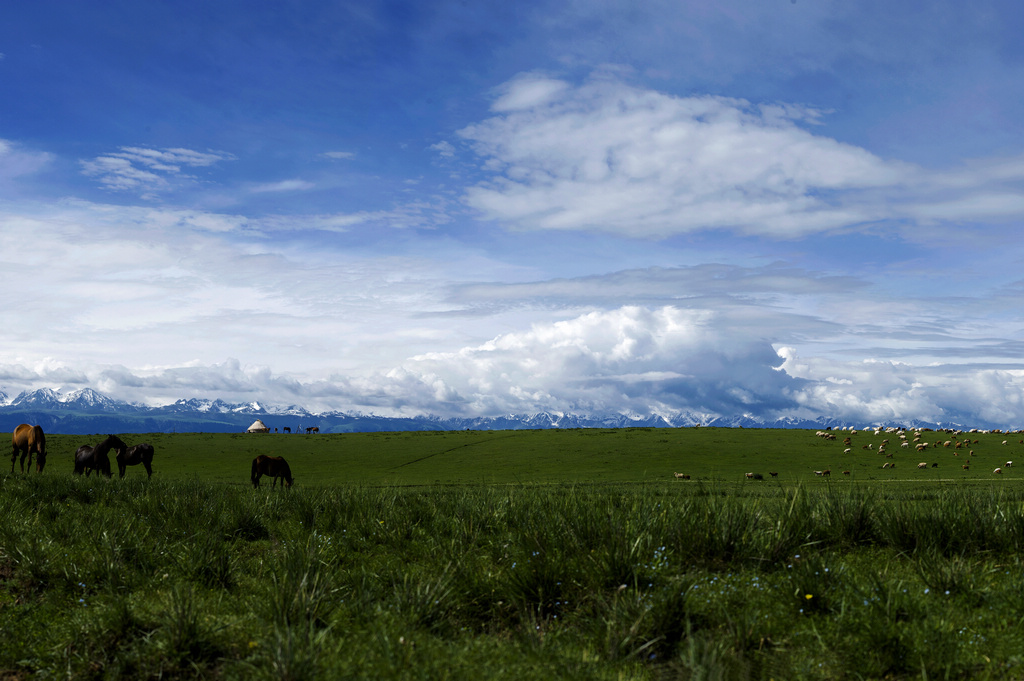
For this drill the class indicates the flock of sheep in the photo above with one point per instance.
(958, 443)
(906, 438)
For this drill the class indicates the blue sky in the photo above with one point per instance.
(783, 208)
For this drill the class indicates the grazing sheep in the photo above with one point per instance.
(922, 465)
(935, 465)
(1008, 464)
(998, 470)
(965, 467)
(847, 450)
(682, 476)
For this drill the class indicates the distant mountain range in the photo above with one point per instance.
(87, 411)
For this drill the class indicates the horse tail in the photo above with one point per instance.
(255, 473)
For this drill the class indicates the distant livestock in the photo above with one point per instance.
(682, 476)
(922, 465)
(998, 470)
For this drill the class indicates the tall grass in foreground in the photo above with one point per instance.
(119, 579)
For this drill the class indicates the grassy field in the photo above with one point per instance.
(558, 456)
(518, 555)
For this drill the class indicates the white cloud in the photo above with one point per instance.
(607, 156)
(16, 161)
(294, 185)
(148, 170)
(339, 155)
(444, 148)
(528, 91)
(631, 358)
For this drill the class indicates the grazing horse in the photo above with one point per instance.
(286, 429)
(312, 429)
(88, 459)
(274, 466)
(134, 455)
(26, 440)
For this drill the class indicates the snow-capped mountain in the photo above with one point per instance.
(88, 411)
(84, 399)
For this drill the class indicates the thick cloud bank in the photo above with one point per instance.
(630, 360)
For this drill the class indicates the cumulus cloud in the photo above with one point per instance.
(631, 358)
(879, 391)
(607, 156)
(444, 148)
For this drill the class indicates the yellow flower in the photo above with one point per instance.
(809, 596)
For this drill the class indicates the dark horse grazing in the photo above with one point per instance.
(274, 466)
(134, 455)
(26, 440)
(88, 459)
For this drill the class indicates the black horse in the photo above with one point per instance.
(134, 455)
(274, 466)
(88, 459)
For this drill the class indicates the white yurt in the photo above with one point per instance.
(258, 427)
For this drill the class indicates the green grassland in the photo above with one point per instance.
(634, 455)
(518, 555)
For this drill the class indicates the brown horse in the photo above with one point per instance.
(88, 459)
(26, 440)
(134, 455)
(274, 466)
